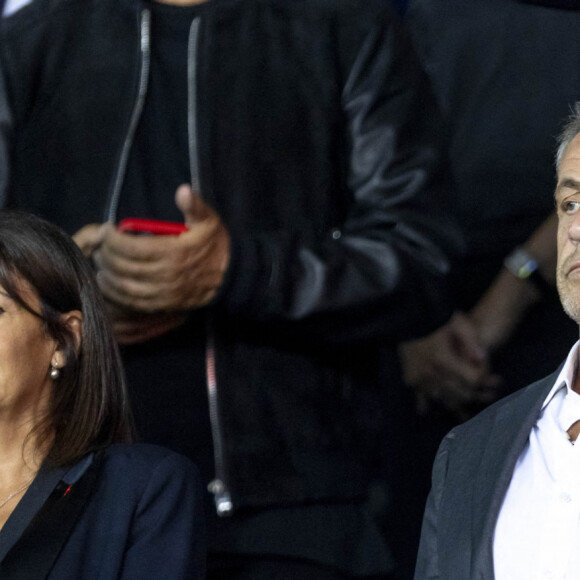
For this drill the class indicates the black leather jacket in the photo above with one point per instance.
(314, 138)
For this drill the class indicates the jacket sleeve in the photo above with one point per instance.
(167, 538)
(427, 567)
(383, 274)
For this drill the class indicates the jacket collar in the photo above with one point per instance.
(509, 435)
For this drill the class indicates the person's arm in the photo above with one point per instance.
(167, 536)
(502, 308)
(451, 364)
(383, 274)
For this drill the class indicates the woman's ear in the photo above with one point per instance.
(73, 321)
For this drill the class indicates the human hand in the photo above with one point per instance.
(150, 274)
(129, 326)
(449, 366)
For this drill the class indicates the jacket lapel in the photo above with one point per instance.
(509, 435)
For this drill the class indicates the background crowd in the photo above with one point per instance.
(370, 254)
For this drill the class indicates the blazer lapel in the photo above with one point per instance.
(508, 436)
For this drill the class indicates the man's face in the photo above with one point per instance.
(567, 197)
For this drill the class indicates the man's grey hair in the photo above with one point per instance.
(569, 131)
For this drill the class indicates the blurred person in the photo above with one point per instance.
(483, 60)
(75, 500)
(493, 67)
(503, 86)
(299, 144)
(504, 501)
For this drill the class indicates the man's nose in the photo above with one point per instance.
(574, 228)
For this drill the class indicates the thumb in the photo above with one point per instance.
(191, 204)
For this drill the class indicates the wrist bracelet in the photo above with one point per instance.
(524, 267)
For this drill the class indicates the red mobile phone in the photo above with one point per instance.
(144, 227)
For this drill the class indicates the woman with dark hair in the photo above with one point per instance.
(76, 501)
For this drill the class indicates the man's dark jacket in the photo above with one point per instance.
(471, 476)
(313, 137)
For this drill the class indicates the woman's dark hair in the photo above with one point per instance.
(89, 407)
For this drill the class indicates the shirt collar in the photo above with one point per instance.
(565, 379)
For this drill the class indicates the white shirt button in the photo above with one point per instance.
(565, 497)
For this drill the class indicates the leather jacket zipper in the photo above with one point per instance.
(218, 487)
(111, 210)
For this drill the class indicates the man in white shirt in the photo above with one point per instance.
(505, 499)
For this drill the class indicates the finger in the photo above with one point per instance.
(464, 373)
(129, 293)
(191, 205)
(451, 366)
(90, 237)
(150, 249)
(150, 261)
(137, 248)
(142, 279)
(466, 339)
(447, 367)
(455, 393)
(184, 270)
(125, 268)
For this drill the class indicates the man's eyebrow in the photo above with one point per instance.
(567, 183)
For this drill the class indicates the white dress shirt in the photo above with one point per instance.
(537, 535)
(12, 6)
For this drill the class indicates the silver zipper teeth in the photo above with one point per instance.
(192, 103)
(223, 500)
(218, 487)
(111, 214)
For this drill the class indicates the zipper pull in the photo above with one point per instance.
(222, 498)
